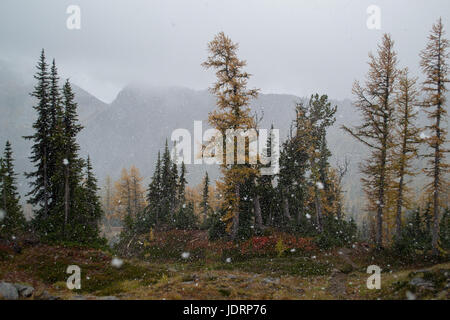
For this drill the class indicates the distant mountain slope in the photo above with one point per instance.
(18, 115)
(132, 129)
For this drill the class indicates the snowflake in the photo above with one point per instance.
(65, 162)
(228, 260)
(116, 262)
(410, 295)
(308, 216)
(185, 255)
(319, 185)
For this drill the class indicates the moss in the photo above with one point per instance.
(225, 292)
(281, 266)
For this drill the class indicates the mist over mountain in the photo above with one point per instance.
(133, 128)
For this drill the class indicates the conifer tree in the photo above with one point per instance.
(232, 99)
(73, 164)
(92, 210)
(154, 196)
(375, 102)
(123, 198)
(204, 204)
(137, 193)
(13, 220)
(434, 65)
(40, 186)
(407, 140)
(265, 187)
(182, 185)
(168, 187)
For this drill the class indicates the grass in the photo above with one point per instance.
(286, 277)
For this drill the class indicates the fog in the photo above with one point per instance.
(296, 47)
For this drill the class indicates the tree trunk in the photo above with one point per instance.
(235, 226)
(66, 198)
(286, 208)
(45, 183)
(339, 210)
(4, 196)
(318, 210)
(258, 216)
(398, 219)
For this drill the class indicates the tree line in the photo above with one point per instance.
(64, 189)
(306, 196)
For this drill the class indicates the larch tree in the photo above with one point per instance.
(137, 192)
(407, 140)
(434, 65)
(375, 101)
(123, 197)
(233, 113)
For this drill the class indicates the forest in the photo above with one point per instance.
(291, 230)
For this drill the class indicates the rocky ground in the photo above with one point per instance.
(39, 272)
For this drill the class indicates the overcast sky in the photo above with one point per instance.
(298, 46)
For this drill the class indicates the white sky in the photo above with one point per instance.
(291, 46)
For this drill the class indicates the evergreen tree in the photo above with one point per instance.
(434, 65)
(154, 197)
(204, 204)
(445, 229)
(13, 220)
(182, 185)
(40, 186)
(168, 188)
(186, 218)
(92, 212)
(266, 189)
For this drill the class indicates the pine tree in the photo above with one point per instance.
(204, 204)
(13, 220)
(434, 65)
(375, 102)
(92, 213)
(182, 186)
(232, 99)
(168, 187)
(320, 116)
(407, 140)
(40, 186)
(265, 187)
(154, 197)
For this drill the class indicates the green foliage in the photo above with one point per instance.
(415, 236)
(217, 228)
(13, 221)
(65, 199)
(186, 218)
(336, 233)
(445, 230)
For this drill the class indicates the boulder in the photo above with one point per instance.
(8, 291)
(421, 283)
(25, 291)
